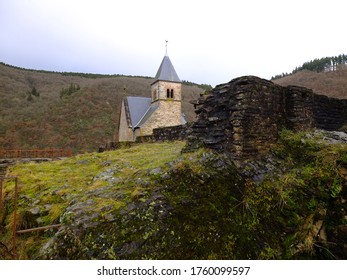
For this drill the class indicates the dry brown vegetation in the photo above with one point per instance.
(332, 83)
(82, 121)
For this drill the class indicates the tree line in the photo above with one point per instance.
(324, 64)
(75, 74)
(202, 86)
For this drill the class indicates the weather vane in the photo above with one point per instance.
(166, 41)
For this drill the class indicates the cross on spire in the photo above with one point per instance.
(166, 41)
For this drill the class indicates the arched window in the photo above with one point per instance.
(167, 93)
(171, 95)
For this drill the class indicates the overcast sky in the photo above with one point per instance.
(210, 42)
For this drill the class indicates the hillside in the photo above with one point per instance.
(82, 120)
(150, 201)
(332, 83)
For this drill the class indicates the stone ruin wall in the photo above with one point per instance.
(171, 133)
(307, 110)
(243, 117)
(240, 117)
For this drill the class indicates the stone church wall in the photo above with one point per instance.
(161, 86)
(124, 132)
(168, 114)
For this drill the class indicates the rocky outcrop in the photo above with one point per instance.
(244, 117)
(201, 206)
(127, 204)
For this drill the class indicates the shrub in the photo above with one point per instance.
(69, 91)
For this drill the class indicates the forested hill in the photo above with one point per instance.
(325, 64)
(41, 109)
(327, 76)
(331, 83)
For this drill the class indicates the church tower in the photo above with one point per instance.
(167, 94)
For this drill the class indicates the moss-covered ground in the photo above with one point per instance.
(150, 201)
(48, 188)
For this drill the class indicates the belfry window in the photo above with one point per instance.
(169, 93)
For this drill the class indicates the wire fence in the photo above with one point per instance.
(11, 251)
(35, 153)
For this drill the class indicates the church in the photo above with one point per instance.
(140, 115)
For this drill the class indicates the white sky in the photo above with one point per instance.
(210, 42)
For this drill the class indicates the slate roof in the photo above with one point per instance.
(147, 115)
(138, 106)
(166, 71)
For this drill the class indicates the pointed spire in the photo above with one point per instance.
(166, 72)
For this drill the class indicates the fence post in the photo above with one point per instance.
(1, 179)
(15, 216)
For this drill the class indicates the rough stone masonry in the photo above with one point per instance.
(243, 117)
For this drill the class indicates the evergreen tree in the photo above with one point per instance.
(318, 65)
(35, 92)
(70, 90)
(31, 93)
